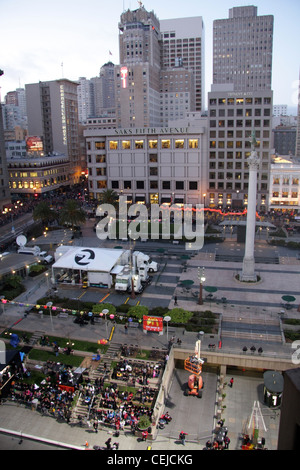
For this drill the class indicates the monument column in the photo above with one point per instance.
(248, 272)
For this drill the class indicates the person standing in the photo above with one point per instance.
(96, 425)
(182, 437)
(231, 382)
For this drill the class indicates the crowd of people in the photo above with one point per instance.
(136, 372)
(47, 398)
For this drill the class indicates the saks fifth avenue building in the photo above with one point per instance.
(149, 165)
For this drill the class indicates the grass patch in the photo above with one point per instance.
(44, 356)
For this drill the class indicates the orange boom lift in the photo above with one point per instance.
(194, 364)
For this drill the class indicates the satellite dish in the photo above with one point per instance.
(21, 240)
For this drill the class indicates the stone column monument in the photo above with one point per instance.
(248, 272)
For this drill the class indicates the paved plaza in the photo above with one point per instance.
(246, 307)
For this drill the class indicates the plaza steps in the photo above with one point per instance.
(35, 338)
(112, 353)
(234, 258)
(253, 328)
(254, 336)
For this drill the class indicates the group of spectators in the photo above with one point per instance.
(136, 372)
(47, 398)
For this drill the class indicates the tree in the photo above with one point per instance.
(109, 196)
(44, 213)
(72, 214)
(179, 315)
(138, 311)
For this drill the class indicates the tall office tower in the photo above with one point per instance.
(137, 78)
(242, 49)
(183, 46)
(85, 101)
(232, 118)
(52, 109)
(5, 198)
(103, 91)
(297, 152)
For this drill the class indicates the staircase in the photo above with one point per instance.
(112, 353)
(35, 338)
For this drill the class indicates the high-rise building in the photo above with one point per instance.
(183, 46)
(297, 152)
(5, 198)
(137, 78)
(240, 103)
(232, 118)
(242, 49)
(161, 73)
(52, 110)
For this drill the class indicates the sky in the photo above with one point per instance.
(47, 40)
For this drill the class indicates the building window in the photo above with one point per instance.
(115, 184)
(152, 144)
(113, 145)
(101, 185)
(193, 143)
(179, 185)
(140, 185)
(100, 158)
(125, 144)
(99, 145)
(153, 171)
(166, 185)
(153, 184)
(165, 144)
(179, 143)
(193, 185)
(127, 184)
(139, 144)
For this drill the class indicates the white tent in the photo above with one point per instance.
(96, 263)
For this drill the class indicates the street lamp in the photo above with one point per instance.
(49, 305)
(201, 278)
(167, 319)
(105, 312)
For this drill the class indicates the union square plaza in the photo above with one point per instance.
(177, 222)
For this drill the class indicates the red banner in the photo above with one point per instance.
(152, 323)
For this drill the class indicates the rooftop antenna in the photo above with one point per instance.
(62, 70)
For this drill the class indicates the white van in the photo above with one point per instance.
(45, 258)
(35, 251)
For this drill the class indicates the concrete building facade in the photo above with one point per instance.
(149, 165)
(183, 45)
(52, 109)
(243, 49)
(232, 118)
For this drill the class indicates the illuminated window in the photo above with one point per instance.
(193, 143)
(179, 143)
(139, 144)
(101, 185)
(125, 144)
(165, 144)
(152, 144)
(99, 145)
(113, 145)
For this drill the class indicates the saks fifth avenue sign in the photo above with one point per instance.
(152, 130)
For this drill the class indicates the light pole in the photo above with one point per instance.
(49, 305)
(167, 319)
(105, 312)
(201, 278)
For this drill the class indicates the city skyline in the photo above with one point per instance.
(73, 43)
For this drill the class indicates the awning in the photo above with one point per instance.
(89, 259)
